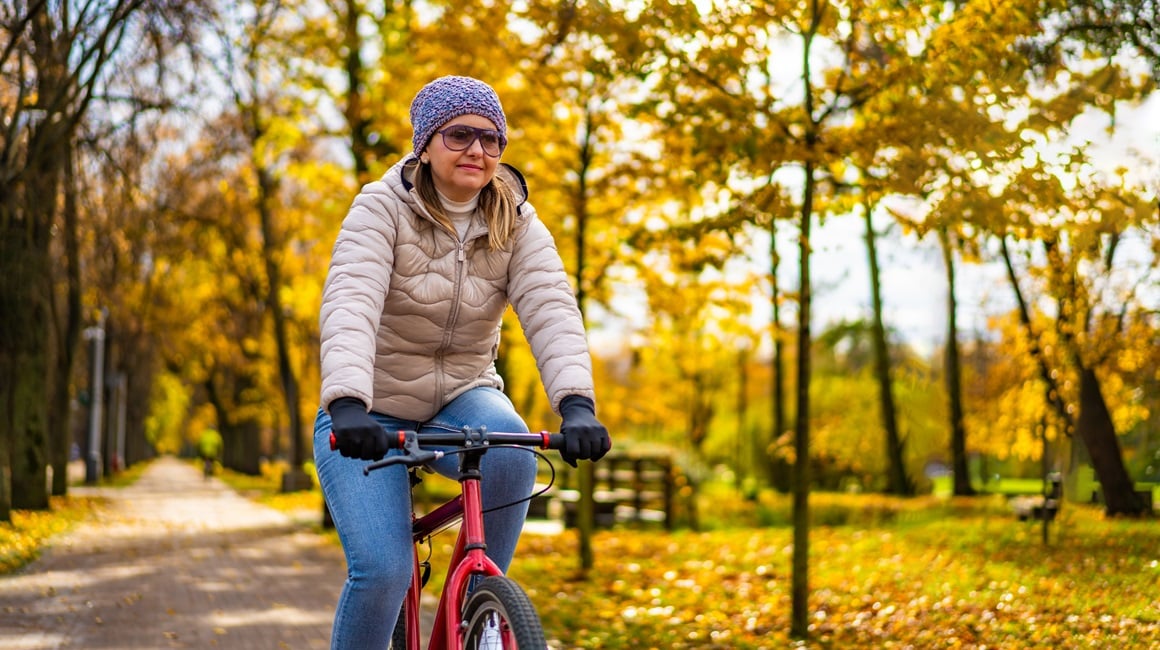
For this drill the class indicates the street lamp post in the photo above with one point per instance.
(96, 335)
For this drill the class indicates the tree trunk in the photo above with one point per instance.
(776, 466)
(295, 478)
(744, 466)
(15, 300)
(954, 378)
(799, 621)
(1095, 427)
(355, 112)
(137, 447)
(586, 511)
(27, 268)
(240, 437)
(67, 324)
(136, 366)
(24, 362)
(898, 481)
(240, 448)
(27, 278)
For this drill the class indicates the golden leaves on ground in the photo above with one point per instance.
(22, 540)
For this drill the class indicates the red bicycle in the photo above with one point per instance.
(479, 608)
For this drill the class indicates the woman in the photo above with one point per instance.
(426, 262)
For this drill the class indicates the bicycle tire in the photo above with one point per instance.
(399, 634)
(500, 597)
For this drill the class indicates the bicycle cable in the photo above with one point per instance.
(533, 495)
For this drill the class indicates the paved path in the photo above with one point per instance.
(177, 562)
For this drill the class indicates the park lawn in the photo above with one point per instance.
(981, 581)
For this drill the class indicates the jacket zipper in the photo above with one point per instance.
(452, 318)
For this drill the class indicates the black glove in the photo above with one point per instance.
(584, 437)
(357, 433)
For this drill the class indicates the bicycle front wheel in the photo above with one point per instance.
(499, 616)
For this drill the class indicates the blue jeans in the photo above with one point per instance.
(372, 513)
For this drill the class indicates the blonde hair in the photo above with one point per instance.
(497, 202)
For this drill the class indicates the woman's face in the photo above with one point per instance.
(460, 175)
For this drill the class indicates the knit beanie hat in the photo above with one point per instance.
(449, 97)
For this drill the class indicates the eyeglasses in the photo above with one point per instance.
(461, 136)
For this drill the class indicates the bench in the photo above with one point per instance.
(629, 488)
(1036, 508)
(1040, 507)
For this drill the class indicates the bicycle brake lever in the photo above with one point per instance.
(411, 460)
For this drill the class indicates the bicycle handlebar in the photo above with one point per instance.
(413, 443)
(471, 438)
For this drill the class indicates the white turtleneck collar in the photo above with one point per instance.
(459, 211)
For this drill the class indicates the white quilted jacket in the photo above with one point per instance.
(410, 317)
